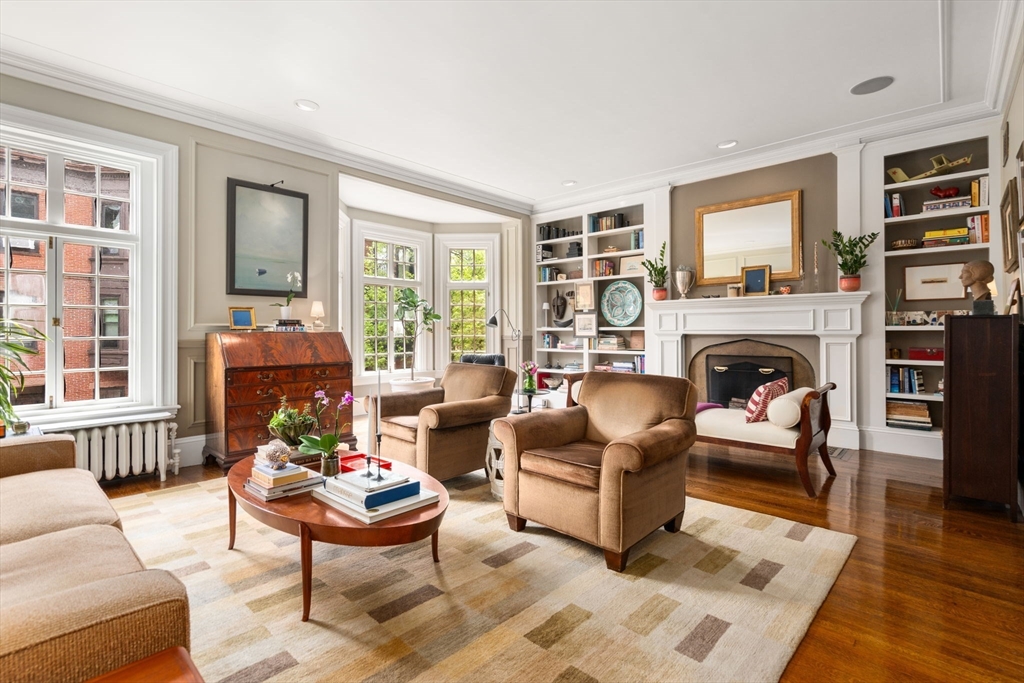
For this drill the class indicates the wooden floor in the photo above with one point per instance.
(927, 595)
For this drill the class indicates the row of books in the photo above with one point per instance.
(268, 484)
(610, 342)
(895, 205)
(637, 365)
(636, 239)
(977, 228)
(979, 191)
(602, 223)
(905, 380)
(551, 232)
(908, 415)
(547, 274)
(288, 325)
(602, 267)
(373, 495)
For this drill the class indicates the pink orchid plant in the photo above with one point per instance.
(325, 444)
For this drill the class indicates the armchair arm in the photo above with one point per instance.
(22, 454)
(638, 450)
(460, 413)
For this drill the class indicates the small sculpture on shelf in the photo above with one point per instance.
(277, 453)
(558, 305)
(977, 275)
(945, 193)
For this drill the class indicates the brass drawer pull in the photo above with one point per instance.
(269, 393)
(321, 373)
(265, 377)
(325, 387)
(264, 415)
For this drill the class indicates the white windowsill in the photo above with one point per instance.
(64, 420)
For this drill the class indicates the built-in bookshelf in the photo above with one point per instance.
(588, 246)
(922, 230)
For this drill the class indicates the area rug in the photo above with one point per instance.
(727, 599)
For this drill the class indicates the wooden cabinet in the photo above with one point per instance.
(247, 375)
(981, 425)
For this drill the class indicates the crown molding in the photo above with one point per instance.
(770, 155)
(318, 146)
(1007, 51)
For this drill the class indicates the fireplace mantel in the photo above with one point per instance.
(834, 317)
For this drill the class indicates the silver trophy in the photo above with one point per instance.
(683, 277)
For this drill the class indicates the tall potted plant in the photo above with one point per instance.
(14, 346)
(851, 254)
(294, 280)
(413, 309)
(657, 275)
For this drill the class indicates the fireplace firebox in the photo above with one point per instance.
(732, 380)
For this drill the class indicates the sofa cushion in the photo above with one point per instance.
(757, 406)
(400, 427)
(42, 502)
(64, 560)
(785, 410)
(733, 425)
(576, 463)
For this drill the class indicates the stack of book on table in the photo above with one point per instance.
(269, 484)
(908, 415)
(371, 500)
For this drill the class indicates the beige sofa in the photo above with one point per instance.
(75, 599)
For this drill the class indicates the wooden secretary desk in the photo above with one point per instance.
(247, 374)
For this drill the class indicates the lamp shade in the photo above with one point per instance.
(493, 322)
(546, 306)
(317, 309)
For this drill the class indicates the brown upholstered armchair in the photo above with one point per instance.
(443, 431)
(608, 471)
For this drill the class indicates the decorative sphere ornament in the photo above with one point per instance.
(277, 454)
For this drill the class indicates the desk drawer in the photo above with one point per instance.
(268, 376)
(316, 373)
(248, 438)
(251, 415)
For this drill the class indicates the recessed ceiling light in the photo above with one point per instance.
(727, 144)
(568, 183)
(307, 105)
(872, 85)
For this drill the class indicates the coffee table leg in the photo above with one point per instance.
(433, 545)
(231, 519)
(306, 559)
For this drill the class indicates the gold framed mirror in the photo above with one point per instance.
(759, 231)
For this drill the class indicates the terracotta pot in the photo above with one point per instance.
(659, 293)
(849, 283)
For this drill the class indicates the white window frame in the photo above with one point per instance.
(422, 242)
(442, 244)
(154, 268)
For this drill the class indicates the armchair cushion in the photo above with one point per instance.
(732, 425)
(576, 463)
(400, 427)
(39, 503)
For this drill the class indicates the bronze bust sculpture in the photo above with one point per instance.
(977, 275)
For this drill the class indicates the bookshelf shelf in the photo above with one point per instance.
(620, 277)
(915, 397)
(914, 328)
(916, 363)
(615, 231)
(560, 350)
(620, 352)
(936, 250)
(550, 261)
(943, 179)
(616, 254)
(932, 215)
(563, 283)
(562, 240)
(620, 329)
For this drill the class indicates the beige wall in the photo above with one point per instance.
(206, 159)
(1015, 117)
(816, 176)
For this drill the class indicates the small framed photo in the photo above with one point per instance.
(755, 280)
(584, 296)
(924, 283)
(586, 325)
(242, 318)
(631, 265)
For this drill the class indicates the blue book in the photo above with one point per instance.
(372, 499)
(888, 207)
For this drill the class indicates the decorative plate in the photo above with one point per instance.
(621, 303)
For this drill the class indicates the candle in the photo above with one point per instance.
(815, 258)
(378, 400)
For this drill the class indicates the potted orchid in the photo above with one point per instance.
(529, 369)
(326, 445)
(294, 280)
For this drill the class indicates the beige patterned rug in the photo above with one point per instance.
(727, 599)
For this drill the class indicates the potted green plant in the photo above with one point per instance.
(851, 254)
(657, 275)
(290, 425)
(294, 279)
(413, 310)
(326, 445)
(14, 346)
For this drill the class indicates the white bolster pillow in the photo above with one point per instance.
(784, 411)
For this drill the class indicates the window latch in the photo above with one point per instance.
(56, 322)
(51, 401)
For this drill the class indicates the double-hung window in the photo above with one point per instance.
(468, 285)
(81, 241)
(392, 259)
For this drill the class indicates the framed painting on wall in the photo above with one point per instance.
(268, 237)
(940, 281)
(1009, 217)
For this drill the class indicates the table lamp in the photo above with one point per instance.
(546, 307)
(316, 311)
(516, 336)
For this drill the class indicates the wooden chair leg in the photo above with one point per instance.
(616, 561)
(515, 523)
(805, 476)
(675, 524)
(823, 452)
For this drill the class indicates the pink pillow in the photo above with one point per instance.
(757, 406)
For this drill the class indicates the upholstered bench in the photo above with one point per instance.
(797, 425)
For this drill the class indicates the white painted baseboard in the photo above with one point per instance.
(917, 445)
(191, 450)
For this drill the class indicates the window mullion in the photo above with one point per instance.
(55, 188)
(55, 347)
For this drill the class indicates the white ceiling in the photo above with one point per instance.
(509, 99)
(365, 194)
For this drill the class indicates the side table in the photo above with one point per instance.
(494, 464)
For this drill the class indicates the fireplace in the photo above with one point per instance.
(732, 380)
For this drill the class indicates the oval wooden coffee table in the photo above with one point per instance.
(311, 520)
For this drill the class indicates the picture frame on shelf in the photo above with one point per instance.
(584, 296)
(586, 325)
(268, 239)
(940, 281)
(631, 265)
(756, 279)
(240, 318)
(1009, 216)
